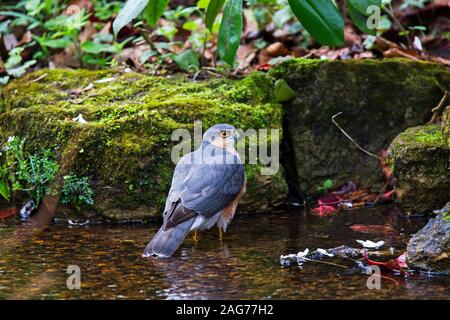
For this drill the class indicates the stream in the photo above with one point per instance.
(246, 265)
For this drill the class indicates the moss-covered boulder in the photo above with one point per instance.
(419, 158)
(378, 100)
(446, 125)
(125, 148)
(429, 249)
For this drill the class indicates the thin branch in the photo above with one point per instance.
(39, 78)
(390, 12)
(326, 262)
(351, 139)
(436, 110)
(147, 37)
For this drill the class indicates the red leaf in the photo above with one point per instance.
(9, 212)
(389, 194)
(398, 264)
(368, 228)
(329, 199)
(401, 261)
(323, 210)
(264, 67)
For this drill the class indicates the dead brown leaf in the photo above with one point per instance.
(88, 31)
(277, 49)
(245, 55)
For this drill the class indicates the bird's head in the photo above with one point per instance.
(221, 135)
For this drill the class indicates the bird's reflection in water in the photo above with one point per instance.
(196, 273)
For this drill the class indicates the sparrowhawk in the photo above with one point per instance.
(206, 187)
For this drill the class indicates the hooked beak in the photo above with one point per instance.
(237, 137)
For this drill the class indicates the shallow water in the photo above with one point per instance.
(245, 265)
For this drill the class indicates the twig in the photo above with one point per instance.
(390, 12)
(386, 277)
(325, 262)
(436, 110)
(351, 139)
(147, 37)
(39, 78)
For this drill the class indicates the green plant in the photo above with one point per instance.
(4, 183)
(278, 12)
(105, 9)
(98, 51)
(31, 174)
(14, 66)
(77, 192)
(54, 26)
(57, 31)
(282, 91)
(327, 184)
(321, 19)
(61, 32)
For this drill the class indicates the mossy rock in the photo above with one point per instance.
(378, 99)
(429, 249)
(446, 125)
(419, 158)
(126, 146)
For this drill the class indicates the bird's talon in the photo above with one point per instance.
(195, 237)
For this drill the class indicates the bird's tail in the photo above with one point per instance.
(166, 241)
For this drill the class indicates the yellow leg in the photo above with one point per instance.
(220, 234)
(195, 237)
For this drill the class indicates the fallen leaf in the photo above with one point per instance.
(282, 91)
(368, 228)
(324, 252)
(264, 67)
(302, 254)
(77, 92)
(397, 264)
(277, 49)
(347, 187)
(370, 244)
(80, 120)
(9, 212)
(323, 210)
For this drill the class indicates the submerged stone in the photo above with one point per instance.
(419, 158)
(429, 249)
(378, 99)
(124, 145)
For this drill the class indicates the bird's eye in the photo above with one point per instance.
(224, 134)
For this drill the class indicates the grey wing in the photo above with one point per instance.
(212, 187)
(180, 173)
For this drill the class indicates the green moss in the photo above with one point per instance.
(125, 147)
(446, 126)
(423, 137)
(420, 159)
